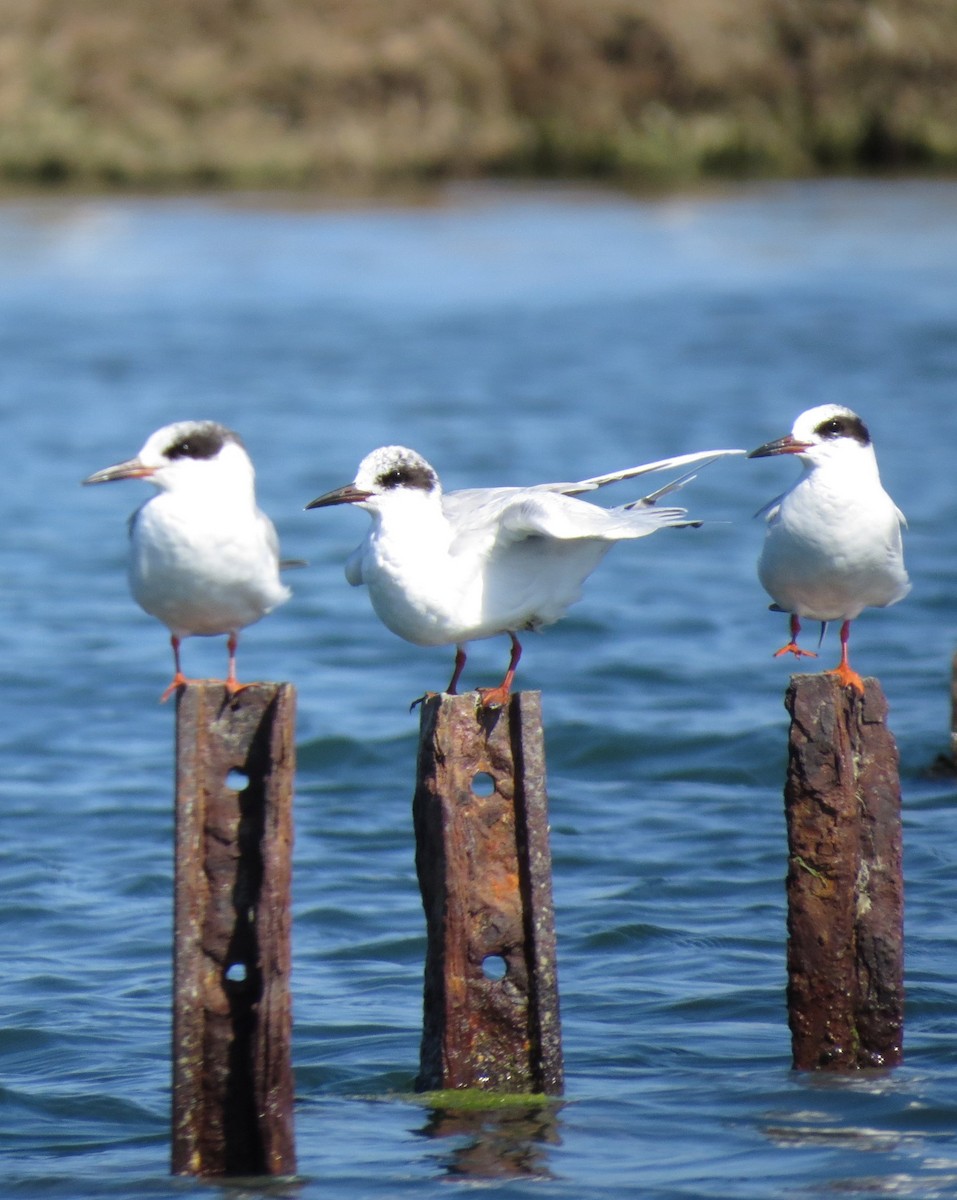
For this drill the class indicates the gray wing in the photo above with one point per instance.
(704, 457)
(674, 486)
(135, 516)
(269, 532)
(353, 566)
(484, 516)
(770, 510)
(504, 516)
(473, 497)
(563, 518)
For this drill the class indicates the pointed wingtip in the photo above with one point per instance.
(652, 497)
(698, 458)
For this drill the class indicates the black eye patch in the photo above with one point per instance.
(411, 477)
(200, 443)
(850, 427)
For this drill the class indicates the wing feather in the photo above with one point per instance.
(353, 567)
(704, 457)
(550, 515)
(483, 517)
(770, 510)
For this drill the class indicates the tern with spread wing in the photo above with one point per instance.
(450, 568)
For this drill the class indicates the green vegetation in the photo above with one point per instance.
(361, 94)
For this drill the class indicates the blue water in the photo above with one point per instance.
(512, 336)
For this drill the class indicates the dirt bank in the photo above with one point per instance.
(355, 93)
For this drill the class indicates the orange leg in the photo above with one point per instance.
(498, 696)
(846, 676)
(232, 683)
(792, 647)
(179, 679)
(453, 682)
(457, 673)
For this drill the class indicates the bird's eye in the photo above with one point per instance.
(201, 443)
(184, 448)
(847, 425)
(411, 476)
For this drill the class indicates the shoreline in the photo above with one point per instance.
(360, 99)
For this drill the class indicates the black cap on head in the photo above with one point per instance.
(205, 439)
(409, 475)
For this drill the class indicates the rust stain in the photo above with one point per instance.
(845, 889)
(484, 870)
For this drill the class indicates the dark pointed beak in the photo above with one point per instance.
(133, 468)
(349, 494)
(782, 445)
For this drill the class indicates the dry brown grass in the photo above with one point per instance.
(343, 92)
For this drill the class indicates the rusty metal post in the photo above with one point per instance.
(232, 1013)
(484, 868)
(844, 885)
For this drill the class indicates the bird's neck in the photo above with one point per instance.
(413, 524)
(851, 472)
(232, 495)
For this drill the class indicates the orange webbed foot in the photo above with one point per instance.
(179, 680)
(796, 650)
(847, 677)
(496, 697)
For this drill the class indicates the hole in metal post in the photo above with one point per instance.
(483, 784)
(237, 781)
(236, 972)
(494, 967)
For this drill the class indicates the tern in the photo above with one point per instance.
(451, 568)
(833, 545)
(204, 559)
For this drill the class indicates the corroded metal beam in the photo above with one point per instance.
(232, 1012)
(844, 884)
(480, 810)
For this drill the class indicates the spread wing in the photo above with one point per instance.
(563, 518)
(704, 457)
(502, 516)
(483, 517)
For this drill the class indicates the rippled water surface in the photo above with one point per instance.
(511, 337)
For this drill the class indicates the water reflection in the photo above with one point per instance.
(504, 1143)
(259, 1187)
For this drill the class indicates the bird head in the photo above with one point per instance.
(390, 471)
(186, 454)
(821, 434)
